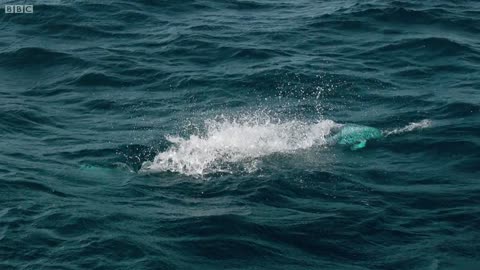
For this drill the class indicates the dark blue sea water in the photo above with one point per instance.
(194, 135)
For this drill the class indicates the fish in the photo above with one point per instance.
(355, 136)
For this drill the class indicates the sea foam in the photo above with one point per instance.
(232, 141)
(425, 123)
(226, 144)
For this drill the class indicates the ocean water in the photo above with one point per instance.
(195, 135)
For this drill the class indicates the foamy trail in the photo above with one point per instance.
(229, 142)
(230, 145)
(425, 123)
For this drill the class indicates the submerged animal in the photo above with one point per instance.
(355, 136)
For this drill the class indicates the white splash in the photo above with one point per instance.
(227, 143)
(425, 123)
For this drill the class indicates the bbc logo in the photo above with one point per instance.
(18, 8)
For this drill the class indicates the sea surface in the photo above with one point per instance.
(194, 134)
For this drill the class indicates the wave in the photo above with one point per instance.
(428, 45)
(103, 79)
(36, 56)
(396, 15)
(27, 120)
(457, 109)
